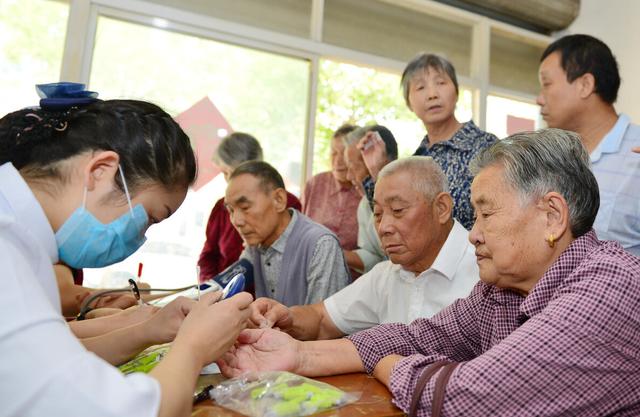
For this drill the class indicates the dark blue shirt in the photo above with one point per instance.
(454, 156)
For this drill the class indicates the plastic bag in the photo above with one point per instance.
(146, 360)
(279, 394)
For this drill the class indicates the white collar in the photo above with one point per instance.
(27, 210)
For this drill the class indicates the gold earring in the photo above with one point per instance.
(551, 240)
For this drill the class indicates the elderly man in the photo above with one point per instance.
(580, 81)
(295, 260)
(552, 329)
(431, 261)
(369, 251)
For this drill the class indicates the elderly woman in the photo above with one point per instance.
(552, 329)
(430, 89)
(330, 199)
(223, 245)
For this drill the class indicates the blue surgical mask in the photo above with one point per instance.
(84, 242)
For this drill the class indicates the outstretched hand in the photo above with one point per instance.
(261, 350)
(267, 312)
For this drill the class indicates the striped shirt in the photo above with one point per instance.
(569, 348)
(617, 171)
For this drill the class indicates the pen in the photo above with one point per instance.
(202, 395)
(136, 292)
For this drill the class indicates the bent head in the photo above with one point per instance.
(533, 194)
(430, 88)
(95, 155)
(257, 203)
(412, 211)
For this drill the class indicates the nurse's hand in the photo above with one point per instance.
(162, 325)
(212, 327)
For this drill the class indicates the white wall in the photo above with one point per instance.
(616, 22)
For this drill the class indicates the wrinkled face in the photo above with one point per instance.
(509, 237)
(432, 96)
(356, 169)
(406, 222)
(559, 100)
(254, 212)
(338, 166)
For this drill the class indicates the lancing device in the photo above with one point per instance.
(233, 287)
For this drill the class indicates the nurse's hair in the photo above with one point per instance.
(152, 147)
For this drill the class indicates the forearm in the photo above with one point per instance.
(95, 327)
(177, 374)
(382, 371)
(312, 322)
(353, 260)
(329, 357)
(120, 345)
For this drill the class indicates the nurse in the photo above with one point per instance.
(81, 184)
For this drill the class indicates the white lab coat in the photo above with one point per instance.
(44, 369)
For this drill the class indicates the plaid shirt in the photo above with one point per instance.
(570, 348)
(453, 156)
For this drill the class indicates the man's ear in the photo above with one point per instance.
(443, 207)
(586, 84)
(101, 170)
(280, 199)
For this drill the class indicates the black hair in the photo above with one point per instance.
(582, 54)
(151, 145)
(390, 144)
(270, 178)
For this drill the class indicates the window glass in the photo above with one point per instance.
(506, 116)
(362, 96)
(30, 49)
(214, 88)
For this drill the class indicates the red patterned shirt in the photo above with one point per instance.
(335, 207)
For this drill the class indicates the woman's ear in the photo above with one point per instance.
(280, 199)
(101, 170)
(557, 214)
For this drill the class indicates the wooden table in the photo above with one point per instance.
(374, 401)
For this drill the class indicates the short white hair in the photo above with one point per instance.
(428, 178)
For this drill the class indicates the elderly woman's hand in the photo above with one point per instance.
(373, 152)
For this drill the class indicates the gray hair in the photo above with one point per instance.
(427, 176)
(422, 62)
(390, 144)
(536, 163)
(237, 148)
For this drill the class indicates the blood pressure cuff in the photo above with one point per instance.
(242, 266)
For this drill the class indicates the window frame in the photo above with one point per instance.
(84, 14)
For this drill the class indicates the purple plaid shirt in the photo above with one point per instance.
(570, 348)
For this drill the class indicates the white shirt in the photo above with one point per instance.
(390, 294)
(45, 370)
(369, 248)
